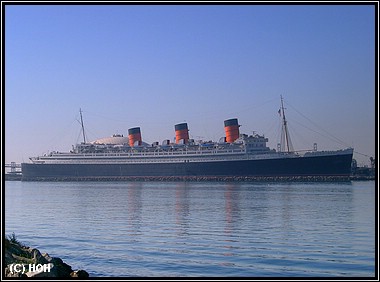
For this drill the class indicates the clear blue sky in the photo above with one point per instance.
(156, 66)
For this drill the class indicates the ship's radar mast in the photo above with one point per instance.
(286, 143)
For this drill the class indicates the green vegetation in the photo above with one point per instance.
(13, 239)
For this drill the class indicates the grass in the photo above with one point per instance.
(13, 239)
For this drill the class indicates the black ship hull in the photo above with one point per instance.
(314, 166)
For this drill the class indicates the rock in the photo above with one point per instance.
(63, 269)
(45, 270)
(9, 273)
(80, 274)
(37, 256)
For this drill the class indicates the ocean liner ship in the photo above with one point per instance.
(235, 156)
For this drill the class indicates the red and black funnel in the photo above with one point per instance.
(231, 127)
(181, 133)
(134, 135)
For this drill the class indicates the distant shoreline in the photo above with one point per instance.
(13, 177)
(18, 177)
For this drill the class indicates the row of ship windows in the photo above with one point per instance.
(256, 145)
(156, 161)
(149, 154)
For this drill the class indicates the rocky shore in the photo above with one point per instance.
(23, 261)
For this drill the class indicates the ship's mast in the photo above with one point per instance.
(81, 121)
(285, 131)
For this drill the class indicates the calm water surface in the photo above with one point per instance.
(114, 229)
